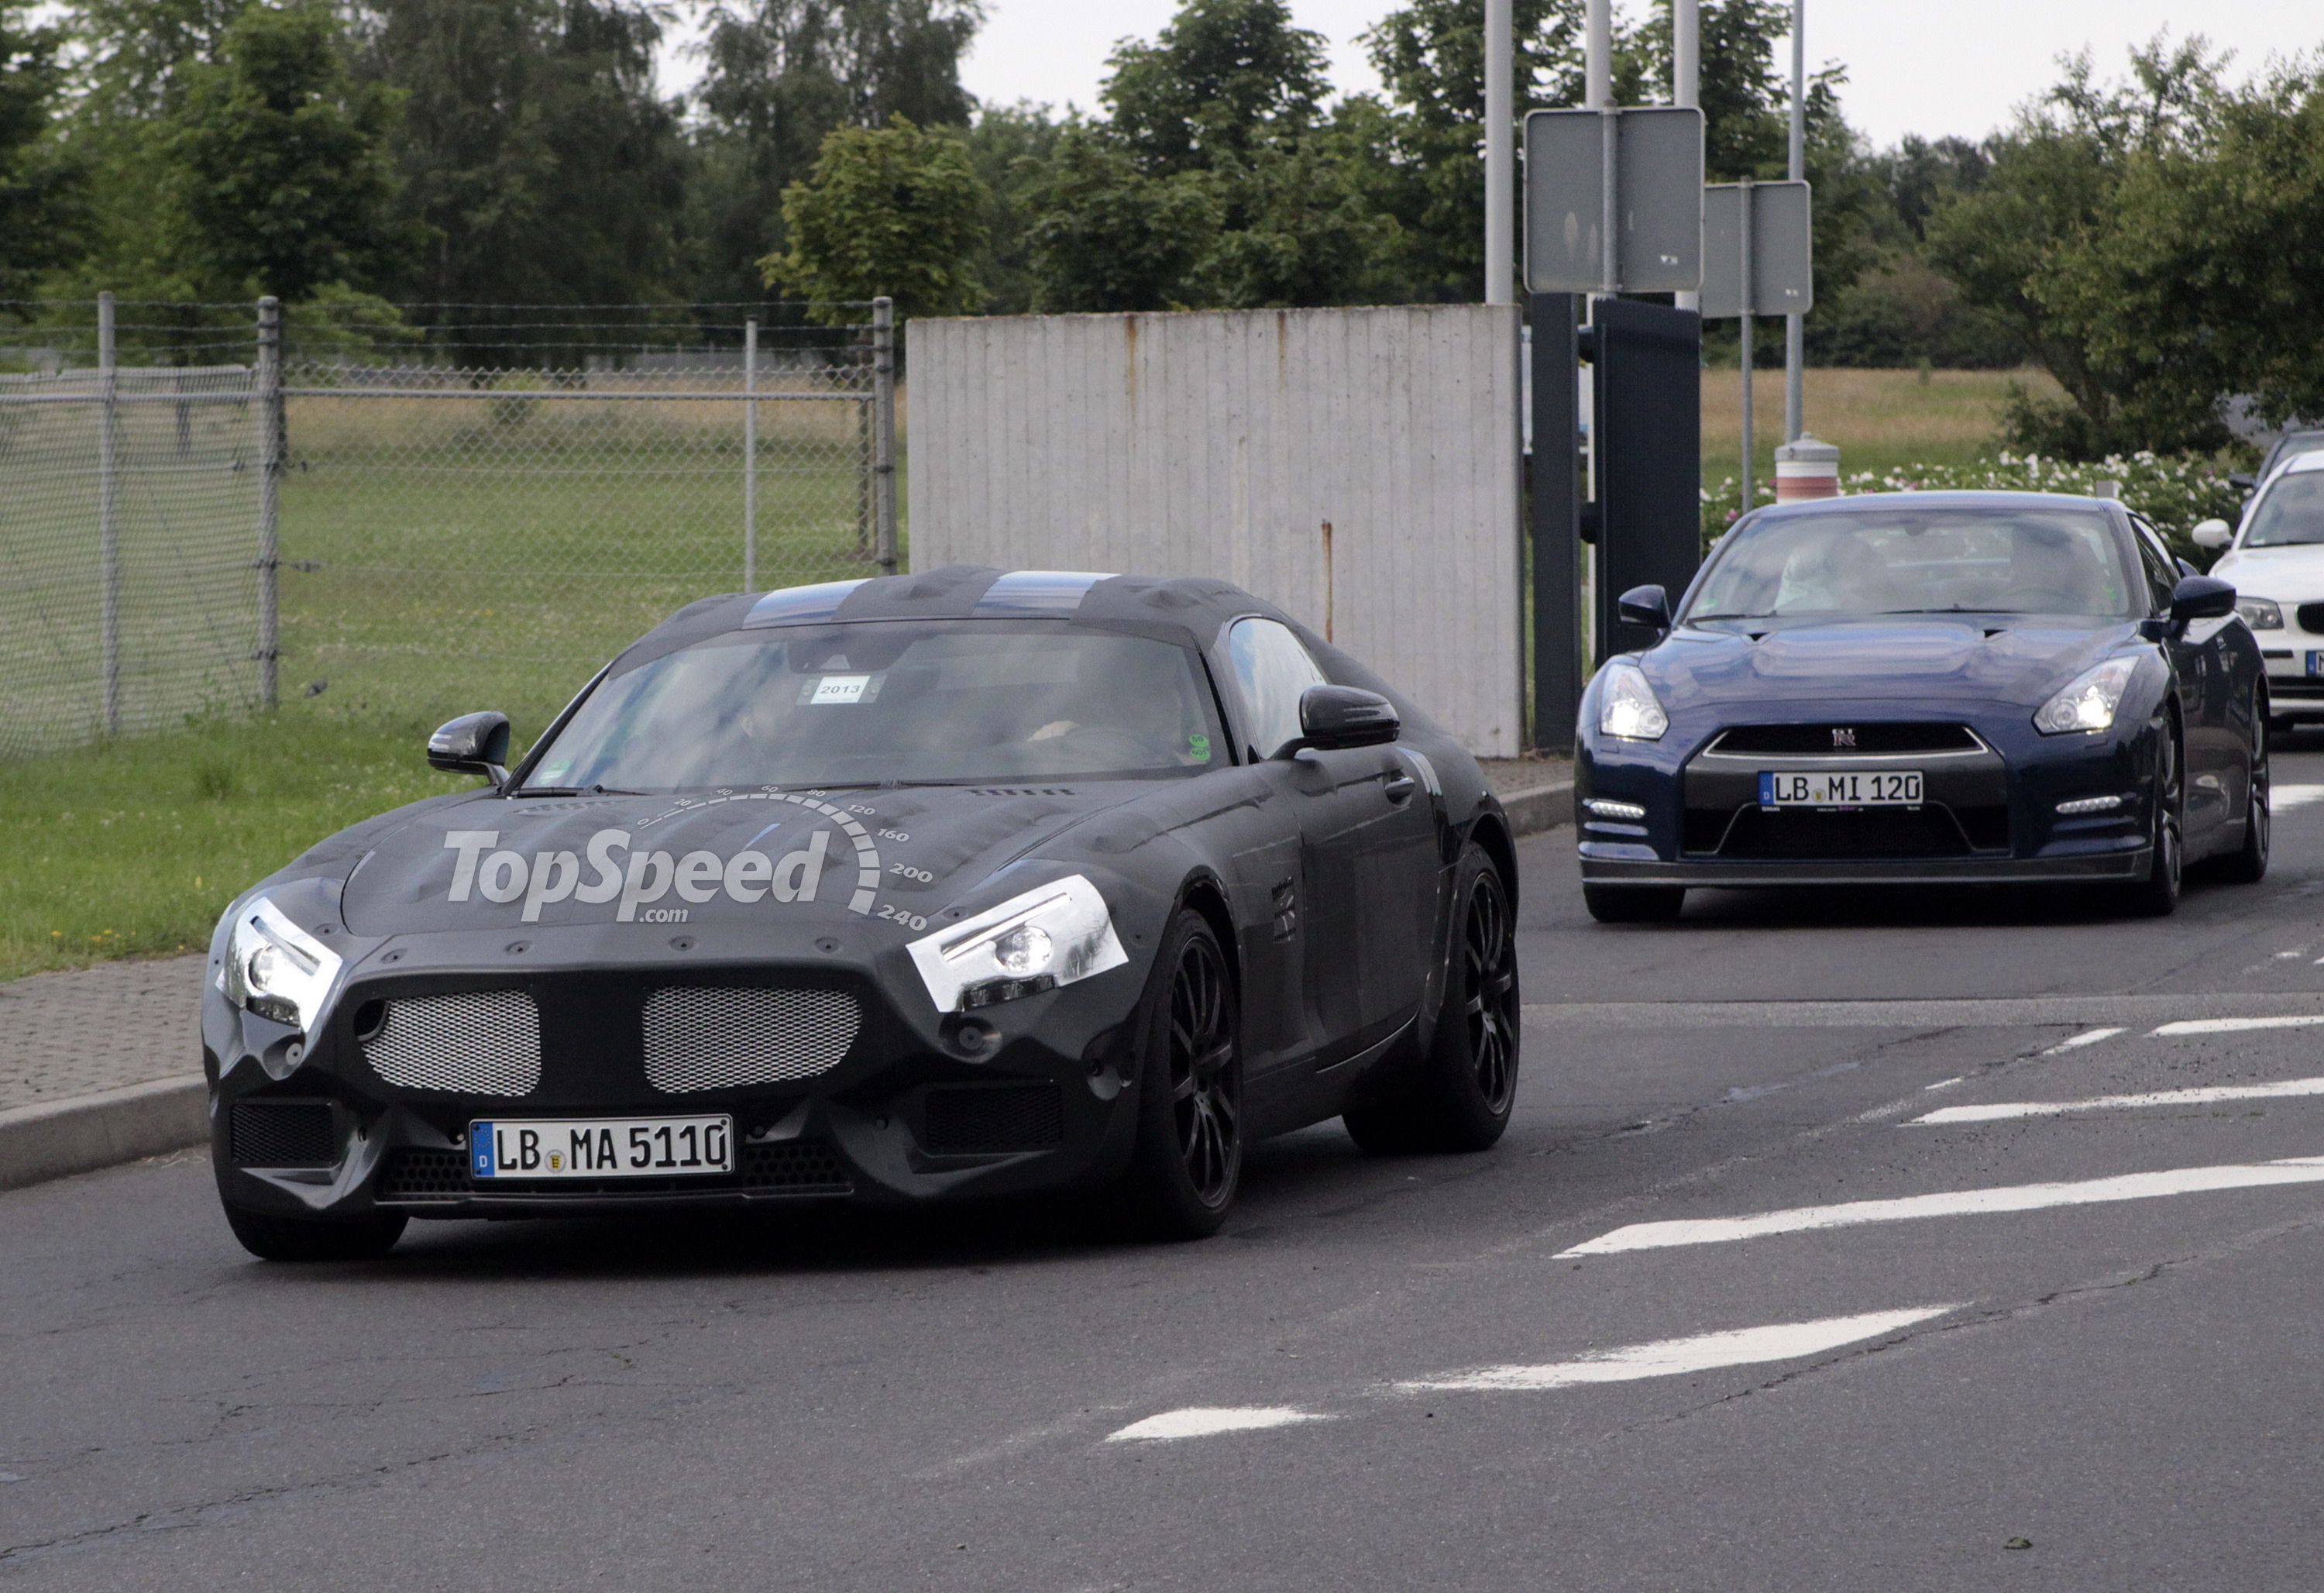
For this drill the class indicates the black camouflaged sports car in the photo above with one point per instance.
(948, 884)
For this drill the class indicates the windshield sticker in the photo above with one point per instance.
(1200, 747)
(840, 688)
(617, 867)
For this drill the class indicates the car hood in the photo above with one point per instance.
(2295, 570)
(1931, 663)
(791, 859)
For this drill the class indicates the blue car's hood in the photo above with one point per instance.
(1930, 662)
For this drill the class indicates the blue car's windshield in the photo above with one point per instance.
(909, 701)
(1892, 558)
(2289, 513)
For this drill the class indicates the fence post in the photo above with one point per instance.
(108, 507)
(750, 454)
(883, 432)
(272, 434)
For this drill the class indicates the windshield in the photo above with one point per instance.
(2290, 512)
(917, 702)
(1913, 560)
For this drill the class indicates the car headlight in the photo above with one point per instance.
(1626, 707)
(2261, 613)
(275, 968)
(2089, 703)
(1049, 937)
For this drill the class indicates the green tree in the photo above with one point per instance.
(40, 183)
(281, 168)
(1223, 79)
(895, 210)
(1011, 146)
(1111, 238)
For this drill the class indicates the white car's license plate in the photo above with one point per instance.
(601, 1147)
(1840, 788)
(2315, 664)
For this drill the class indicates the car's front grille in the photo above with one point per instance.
(1831, 740)
(283, 1134)
(992, 1120)
(475, 1042)
(784, 1167)
(2311, 617)
(1884, 833)
(727, 1036)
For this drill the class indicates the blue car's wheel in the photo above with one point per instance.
(2157, 894)
(2247, 864)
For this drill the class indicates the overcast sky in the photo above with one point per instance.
(1931, 67)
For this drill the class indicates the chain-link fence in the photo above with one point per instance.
(129, 524)
(458, 505)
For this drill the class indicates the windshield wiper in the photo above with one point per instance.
(1699, 618)
(574, 791)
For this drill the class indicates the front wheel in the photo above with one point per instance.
(270, 1237)
(1188, 1157)
(1467, 1082)
(2247, 864)
(2157, 895)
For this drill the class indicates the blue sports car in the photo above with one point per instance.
(1926, 688)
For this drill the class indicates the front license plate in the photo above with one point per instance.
(601, 1147)
(1839, 788)
(2315, 664)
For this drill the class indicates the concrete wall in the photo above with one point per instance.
(1358, 467)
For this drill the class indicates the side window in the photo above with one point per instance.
(1271, 670)
(2161, 569)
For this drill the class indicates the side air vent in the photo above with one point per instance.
(283, 1134)
(727, 1036)
(472, 1041)
(993, 1120)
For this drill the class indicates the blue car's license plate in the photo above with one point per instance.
(1840, 788)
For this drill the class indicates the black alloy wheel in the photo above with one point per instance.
(2157, 895)
(1489, 948)
(2247, 864)
(1188, 1158)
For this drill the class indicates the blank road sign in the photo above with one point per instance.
(1783, 264)
(1658, 192)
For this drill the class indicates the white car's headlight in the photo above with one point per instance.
(1626, 707)
(2261, 613)
(2089, 702)
(275, 968)
(1037, 942)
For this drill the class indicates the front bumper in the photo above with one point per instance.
(2102, 868)
(1032, 1094)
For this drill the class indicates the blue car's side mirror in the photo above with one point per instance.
(1644, 606)
(2202, 597)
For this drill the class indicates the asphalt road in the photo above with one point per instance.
(2065, 1350)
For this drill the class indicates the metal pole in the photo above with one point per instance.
(1749, 287)
(1598, 55)
(274, 434)
(1795, 325)
(1501, 185)
(108, 508)
(1686, 80)
(883, 431)
(750, 454)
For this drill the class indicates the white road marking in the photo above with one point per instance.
(2087, 1037)
(2238, 1025)
(2135, 1186)
(1667, 1357)
(2201, 1096)
(2280, 798)
(1203, 1421)
(1941, 1084)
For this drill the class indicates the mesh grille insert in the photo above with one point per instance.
(475, 1042)
(723, 1037)
(992, 1121)
(418, 1173)
(283, 1134)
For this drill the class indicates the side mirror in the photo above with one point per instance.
(1334, 718)
(2212, 533)
(2239, 479)
(472, 744)
(1644, 606)
(2202, 597)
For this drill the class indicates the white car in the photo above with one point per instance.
(2275, 559)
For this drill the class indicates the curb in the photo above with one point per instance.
(1544, 807)
(56, 1139)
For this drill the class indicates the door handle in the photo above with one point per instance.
(1399, 787)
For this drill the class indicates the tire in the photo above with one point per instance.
(1634, 903)
(2247, 864)
(1187, 1160)
(2157, 895)
(1467, 1080)
(270, 1237)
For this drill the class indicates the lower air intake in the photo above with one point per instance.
(472, 1041)
(727, 1036)
(283, 1134)
(993, 1120)
(421, 1173)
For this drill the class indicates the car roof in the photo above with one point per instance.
(2311, 460)
(1982, 498)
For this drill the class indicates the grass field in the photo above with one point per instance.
(468, 557)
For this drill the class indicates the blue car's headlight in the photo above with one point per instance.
(1626, 706)
(1036, 941)
(2089, 702)
(275, 968)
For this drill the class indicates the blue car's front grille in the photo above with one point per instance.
(1828, 740)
